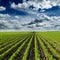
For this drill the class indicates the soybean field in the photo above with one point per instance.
(29, 45)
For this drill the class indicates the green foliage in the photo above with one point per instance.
(49, 41)
(37, 55)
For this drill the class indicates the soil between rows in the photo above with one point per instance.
(42, 55)
(13, 50)
(54, 56)
(31, 53)
(20, 55)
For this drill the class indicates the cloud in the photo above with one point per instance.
(2, 8)
(4, 15)
(44, 22)
(33, 21)
(29, 23)
(36, 5)
(7, 22)
(40, 19)
(17, 17)
(13, 24)
(19, 5)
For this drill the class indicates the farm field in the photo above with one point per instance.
(29, 45)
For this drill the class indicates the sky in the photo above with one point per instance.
(29, 15)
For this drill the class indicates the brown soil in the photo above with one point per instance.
(31, 53)
(13, 50)
(20, 55)
(42, 55)
(53, 55)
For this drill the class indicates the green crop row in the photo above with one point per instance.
(9, 50)
(50, 43)
(18, 50)
(45, 49)
(26, 54)
(39, 45)
(37, 55)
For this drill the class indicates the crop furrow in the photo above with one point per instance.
(8, 46)
(10, 51)
(26, 53)
(20, 55)
(53, 55)
(42, 55)
(32, 53)
(12, 57)
(53, 46)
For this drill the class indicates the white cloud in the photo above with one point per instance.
(7, 23)
(43, 22)
(44, 4)
(19, 5)
(13, 5)
(13, 24)
(2, 8)
(17, 17)
(4, 15)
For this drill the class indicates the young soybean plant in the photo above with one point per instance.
(37, 55)
(27, 50)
